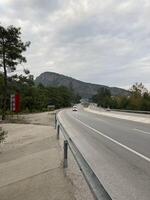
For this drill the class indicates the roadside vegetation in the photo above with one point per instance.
(139, 99)
(35, 98)
(11, 54)
(3, 135)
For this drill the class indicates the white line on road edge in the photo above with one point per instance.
(135, 129)
(116, 142)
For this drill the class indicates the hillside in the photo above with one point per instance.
(85, 90)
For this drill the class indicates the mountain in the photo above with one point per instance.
(85, 90)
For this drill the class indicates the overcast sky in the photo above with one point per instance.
(98, 41)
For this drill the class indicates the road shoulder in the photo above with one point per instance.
(120, 115)
(31, 164)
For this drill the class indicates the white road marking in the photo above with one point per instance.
(115, 141)
(135, 129)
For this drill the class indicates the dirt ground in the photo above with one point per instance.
(31, 162)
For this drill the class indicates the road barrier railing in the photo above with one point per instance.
(95, 107)
(92, 180)
(132, 111)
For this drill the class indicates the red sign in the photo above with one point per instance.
(15, 103)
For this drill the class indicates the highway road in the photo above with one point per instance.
(117, 150)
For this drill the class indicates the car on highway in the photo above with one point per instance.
(74, 108)
(108, 109)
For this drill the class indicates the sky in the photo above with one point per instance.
(104, 42)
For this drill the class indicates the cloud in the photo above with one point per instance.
(105, 42)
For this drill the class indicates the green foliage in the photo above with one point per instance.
(3, 135)
(138, 90)
(11, 49)
(37, 98)
(139, 99)
(102, 98)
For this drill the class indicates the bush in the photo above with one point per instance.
(2, 135)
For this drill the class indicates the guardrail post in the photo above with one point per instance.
(58, 130)
(55, 121)
(65, 154)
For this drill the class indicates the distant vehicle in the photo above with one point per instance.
(108, 109)
(74, 108)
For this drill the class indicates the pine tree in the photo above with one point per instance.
(11, 49)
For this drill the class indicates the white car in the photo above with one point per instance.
(108, 109)
(74, 108)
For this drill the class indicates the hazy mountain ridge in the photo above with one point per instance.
(85, 90)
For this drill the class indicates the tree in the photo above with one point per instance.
(11, 49)
(138, 90)
(136, 98)
(103, 97)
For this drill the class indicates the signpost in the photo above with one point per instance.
(15, 103)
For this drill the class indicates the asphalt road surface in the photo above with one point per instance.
(117, 150)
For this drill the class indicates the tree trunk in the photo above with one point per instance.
(4, 108)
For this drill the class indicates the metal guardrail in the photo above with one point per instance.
(132, 111)
(95, 185)
(122, 110)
